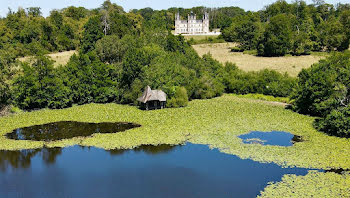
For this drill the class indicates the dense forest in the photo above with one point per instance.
(297, 28)
(120, 53)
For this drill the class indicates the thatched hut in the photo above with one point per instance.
(152, 99)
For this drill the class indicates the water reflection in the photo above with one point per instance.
(147, 171)
(277, 138)
(338, 171)
(22, 159)
(149, 149)
(67, 130)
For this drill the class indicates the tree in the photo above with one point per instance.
(178, 97)
(75, 13)
(277, 37)
(332, 35)
(92, 33)
(324, 87)
(56, 18)
(7, 63)
(336, 123)
(111, 49)
(345, 21)
(40, 87)
(34, 11)
(245, 30)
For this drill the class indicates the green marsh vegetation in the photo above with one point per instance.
(119, 53)
(216, 122)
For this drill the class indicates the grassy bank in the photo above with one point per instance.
(216, 122)
(248, 62)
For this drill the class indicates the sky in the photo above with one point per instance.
(48, 5)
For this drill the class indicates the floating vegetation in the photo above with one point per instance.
(217, 122)
(254, 141)
(314, 184)
(277, 138)
(66, 130)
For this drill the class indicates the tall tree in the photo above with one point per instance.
(277, 37)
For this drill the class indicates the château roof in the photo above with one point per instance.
(152, 95)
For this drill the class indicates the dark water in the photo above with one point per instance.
(67, 130)
(277, 138)
(148, 171)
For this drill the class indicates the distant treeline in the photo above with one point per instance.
(119, 55)
(278, 29)
(296, 28)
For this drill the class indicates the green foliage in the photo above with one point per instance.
(111, 49)
(39, 86)
(323, 90)
(337, 122)
(277, 37)
(7, 62)
(178, 97)
(245, 30)
(90, 80)
(92, 33)
(332, 35)
(176, 43)
(296, 28)
(75, 13)
(268, 82)
(324, 86)
(237, 49)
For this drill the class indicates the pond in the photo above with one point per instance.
(67, 129)
(277, 138)
(149, 171)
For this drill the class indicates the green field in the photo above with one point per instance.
(215, 122)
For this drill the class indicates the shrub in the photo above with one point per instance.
(237, 49)
(336, 123)
(324, 90)
(324, 86)
(178, 98)
(266, 82)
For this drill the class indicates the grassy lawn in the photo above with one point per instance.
(60, 58)
(216, 122)
(290, 64)
(200, 37)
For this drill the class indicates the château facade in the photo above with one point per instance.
(192, 25)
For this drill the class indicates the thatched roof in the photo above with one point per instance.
(152, 95)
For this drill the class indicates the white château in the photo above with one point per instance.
(192, 25)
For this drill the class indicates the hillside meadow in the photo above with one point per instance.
(60, 58)
(290, 64)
